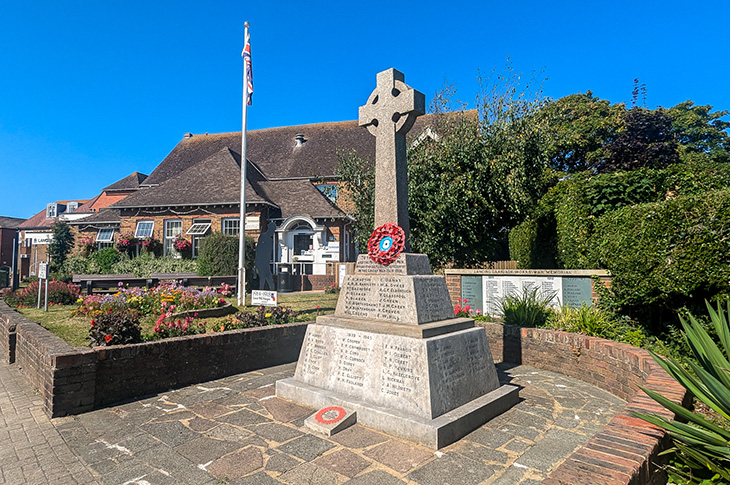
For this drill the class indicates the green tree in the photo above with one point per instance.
(700, 132)
(580, 127)
(645, 140)
(358, 197)
(63, 241)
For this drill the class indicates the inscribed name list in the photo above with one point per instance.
(393, 371)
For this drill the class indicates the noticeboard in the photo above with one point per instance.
(264, 298)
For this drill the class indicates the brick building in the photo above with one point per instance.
(8, 228)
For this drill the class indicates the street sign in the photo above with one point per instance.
(42, 270)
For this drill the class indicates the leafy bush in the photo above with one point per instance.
(115, 328)
(562, 225)
(58, 293)
(531, 308)
(218, 256)
(264, 316)
(147, 263)
(105, 259)
(81, 265)
(597, 322)
(702, 447)
(666, 255)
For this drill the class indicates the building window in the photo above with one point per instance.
(231, 226)
(197, 231)
(105, 237)
(144, 229)
(51, 211)
(329, 191)
(173, 228)
(303, 244)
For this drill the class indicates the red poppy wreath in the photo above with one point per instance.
(386, 243)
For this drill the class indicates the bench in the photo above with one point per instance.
(111, 281)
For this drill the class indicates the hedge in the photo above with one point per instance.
(666, 255)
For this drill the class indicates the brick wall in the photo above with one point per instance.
(73, 380)
(130, 371)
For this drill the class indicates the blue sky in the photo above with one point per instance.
(92, 91)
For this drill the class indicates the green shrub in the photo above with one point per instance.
(147, 263)
(666, 255)
(262, 317)
(597, 322)
(531, 308)
(105, 259)
(701, 447)
(59, 293)
(115, 328)
(81, 265)
(218, 256)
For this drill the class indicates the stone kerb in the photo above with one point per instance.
(624, 451)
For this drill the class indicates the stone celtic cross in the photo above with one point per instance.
(389, 113)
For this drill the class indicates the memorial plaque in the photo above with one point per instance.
(471, 291)
(492, 295)
(576, 291)
(405, 264)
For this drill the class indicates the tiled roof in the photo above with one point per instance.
(130, 182)
(104, 216)
(298, 197)
(10, 222)
(214, 180)
(276, 152)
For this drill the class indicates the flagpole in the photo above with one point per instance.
(242, 216)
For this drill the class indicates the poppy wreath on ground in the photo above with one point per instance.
(386, 243)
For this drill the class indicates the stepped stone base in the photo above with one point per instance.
(433, 433)
(393, 353)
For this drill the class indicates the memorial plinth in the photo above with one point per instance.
(393, 353)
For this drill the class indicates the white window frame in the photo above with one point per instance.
(196, 232)
(107, 233)
(170, 234)
(137, 232)
(51, 211)
(198, 228)
(228, 231)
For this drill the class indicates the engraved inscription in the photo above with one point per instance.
(392, 298)
(358, 301)
(352, 353)
(315, 353)
(369, 266)
(397, 376)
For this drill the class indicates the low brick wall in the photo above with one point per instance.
(73, 380)
(624, 451)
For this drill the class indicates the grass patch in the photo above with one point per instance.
(75, 331)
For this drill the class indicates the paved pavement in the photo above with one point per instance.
(234, 430)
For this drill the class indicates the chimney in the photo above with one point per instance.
(299, 137)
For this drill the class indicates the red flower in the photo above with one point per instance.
(93, 322)
(386, 243)
(108, 338)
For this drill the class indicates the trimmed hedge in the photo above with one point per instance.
(571, 209)
(218, 256)
(666, 255)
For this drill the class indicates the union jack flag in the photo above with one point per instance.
(247, 67)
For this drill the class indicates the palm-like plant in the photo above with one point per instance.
(701, 445)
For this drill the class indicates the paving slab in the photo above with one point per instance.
(235, 430)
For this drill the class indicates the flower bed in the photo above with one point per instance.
(167, 297)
